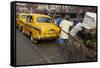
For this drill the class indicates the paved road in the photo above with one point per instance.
(41, 53)
(45, 52)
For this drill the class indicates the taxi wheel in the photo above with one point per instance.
(33, 40)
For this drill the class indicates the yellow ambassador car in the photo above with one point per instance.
(40, 27)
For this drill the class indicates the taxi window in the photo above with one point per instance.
(24, 16)
(29, 19)
(44, 19)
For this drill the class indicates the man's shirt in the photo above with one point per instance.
(65, 25)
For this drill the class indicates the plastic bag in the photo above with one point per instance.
(89, 21)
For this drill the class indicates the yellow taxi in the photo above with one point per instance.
(40, 27)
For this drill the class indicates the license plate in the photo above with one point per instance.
(50, 32)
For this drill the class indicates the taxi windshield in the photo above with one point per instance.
(44, 19)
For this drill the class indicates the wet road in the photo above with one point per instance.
(42, 53)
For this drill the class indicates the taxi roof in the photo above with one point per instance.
(40, 15)
(35, 14)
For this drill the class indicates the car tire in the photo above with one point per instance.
(33, 40)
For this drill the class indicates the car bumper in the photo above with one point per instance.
(46, 37)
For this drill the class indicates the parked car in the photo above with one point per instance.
(40, 27)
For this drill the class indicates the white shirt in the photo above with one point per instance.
(75, 29)
(65, 27)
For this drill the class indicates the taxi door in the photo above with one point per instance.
(28, 24)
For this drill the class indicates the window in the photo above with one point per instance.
(44, 20)
(29, 19)
(24, 16)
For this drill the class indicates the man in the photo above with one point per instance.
(64, 37)
(58, 20)
(65, 25)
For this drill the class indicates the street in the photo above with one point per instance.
(45, 52)
(42, 53)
